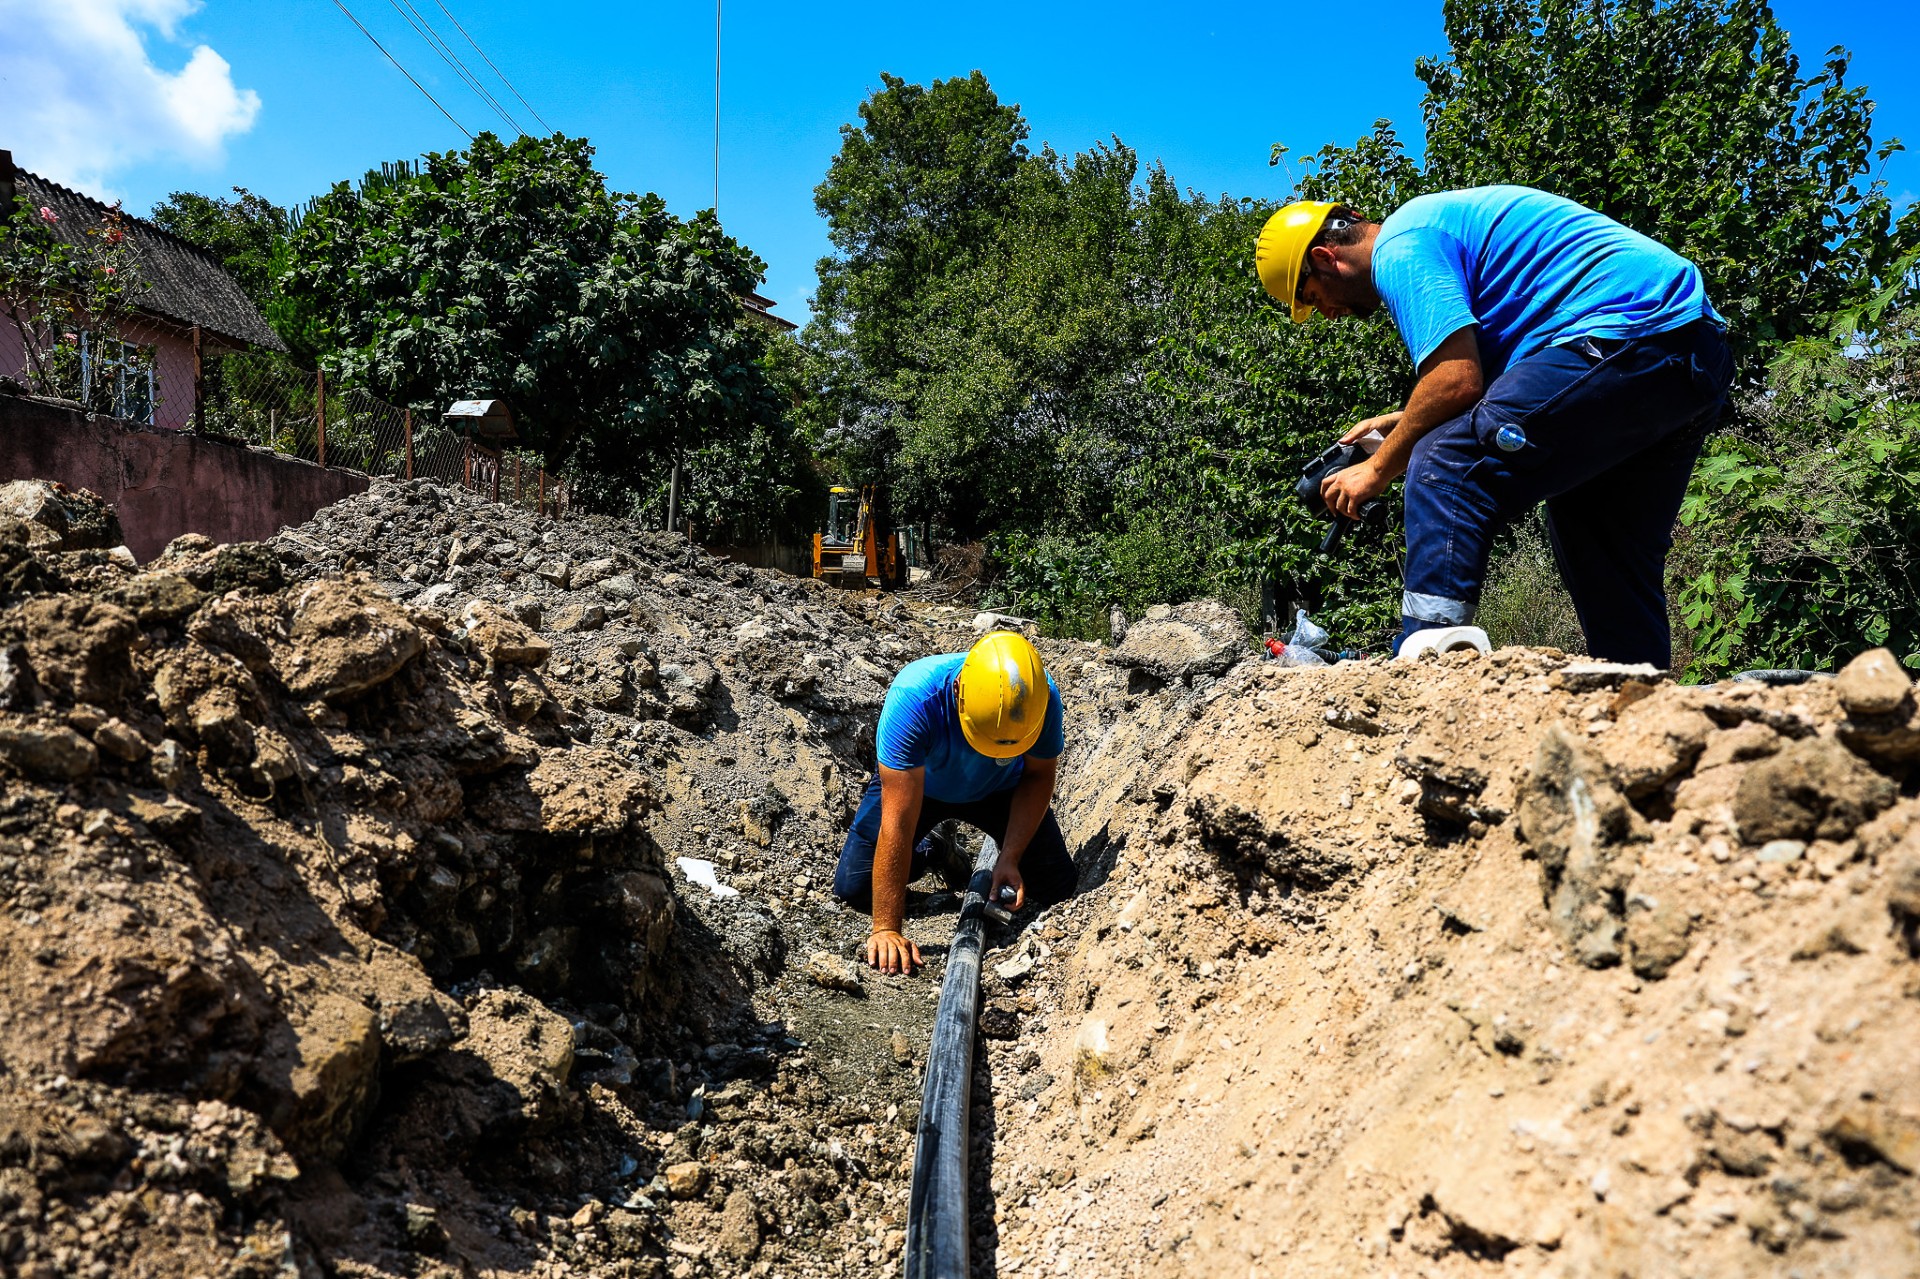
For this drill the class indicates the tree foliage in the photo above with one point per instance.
(614, 328)
(244, 234)
(917, 190)
(1075, 359)
(1690, 121)
(1802, 530)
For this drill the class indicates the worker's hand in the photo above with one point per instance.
(1007, 871)
(1345, 492)
(891, 952)
(1383, 424)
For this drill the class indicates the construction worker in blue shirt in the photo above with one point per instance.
(974, 737)
(1560, 358)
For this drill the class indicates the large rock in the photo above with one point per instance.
(1659, 931)
(209, 697)
(1203, 637)
(502, 640)
(1656, 740)
(81, 649)
(1579, 825)
(52, 753)
(1882, 721)
(1874, 684)
(1813, 789)
(346, 639)
(157, 597)
(1452, 776)
(526, 1046)
(327, 1077)
(22, 573)
(59, 518)
(740, 1227)
(587, 791)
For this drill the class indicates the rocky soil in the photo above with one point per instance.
(440, 890)
(1503, 964)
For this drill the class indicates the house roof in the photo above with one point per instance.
(188, 286)
(761, 307)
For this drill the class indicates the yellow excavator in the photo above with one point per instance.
(860, 547)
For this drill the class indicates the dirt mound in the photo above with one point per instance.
(438, 890)
(1423, 969)
(428, 891)
(253, 840)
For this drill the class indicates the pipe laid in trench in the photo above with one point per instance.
(938, 1224)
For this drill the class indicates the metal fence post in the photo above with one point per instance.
(406, 427)
(199, 393)
(320, 401)
(496, 477)
(541, 506)
(466, 463)
(519, 494)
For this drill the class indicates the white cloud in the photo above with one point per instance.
(81, 95)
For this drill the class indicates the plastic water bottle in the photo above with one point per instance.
(1511, 439)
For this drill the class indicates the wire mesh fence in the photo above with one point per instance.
(267, 401)
(158, 376)
(141, 371)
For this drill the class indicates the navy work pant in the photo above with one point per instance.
(1046, 867)
(1611, 437)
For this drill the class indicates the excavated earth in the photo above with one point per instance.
(441, 890)
(1501, 964)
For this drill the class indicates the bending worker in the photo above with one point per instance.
(1560, 358)
(975, 737)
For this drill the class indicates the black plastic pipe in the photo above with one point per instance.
(938, 1224)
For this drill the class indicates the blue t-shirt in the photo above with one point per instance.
(920, 725)
(1532, 270)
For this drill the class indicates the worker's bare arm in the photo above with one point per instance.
(1383, 424)
(1451, 382)
(901, 792)
(1031, 798)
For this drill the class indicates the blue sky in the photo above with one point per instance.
(306, 100)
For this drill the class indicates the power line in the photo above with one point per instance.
(496, 70)
(402, 70)
(425, 31)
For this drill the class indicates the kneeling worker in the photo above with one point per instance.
(975, 737)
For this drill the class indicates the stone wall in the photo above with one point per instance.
(163, 483)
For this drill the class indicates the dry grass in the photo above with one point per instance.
(1524, 601)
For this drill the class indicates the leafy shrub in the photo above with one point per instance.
(1804, 522)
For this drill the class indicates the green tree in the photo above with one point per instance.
(243, 234)
(614, 328)
(1688, 120)
(917, 188)
(1019, 401)
(1801, 535)
(917, 191)
(1086, 370)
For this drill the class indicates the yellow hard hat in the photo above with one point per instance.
(1002, 695)
(1282, 249)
